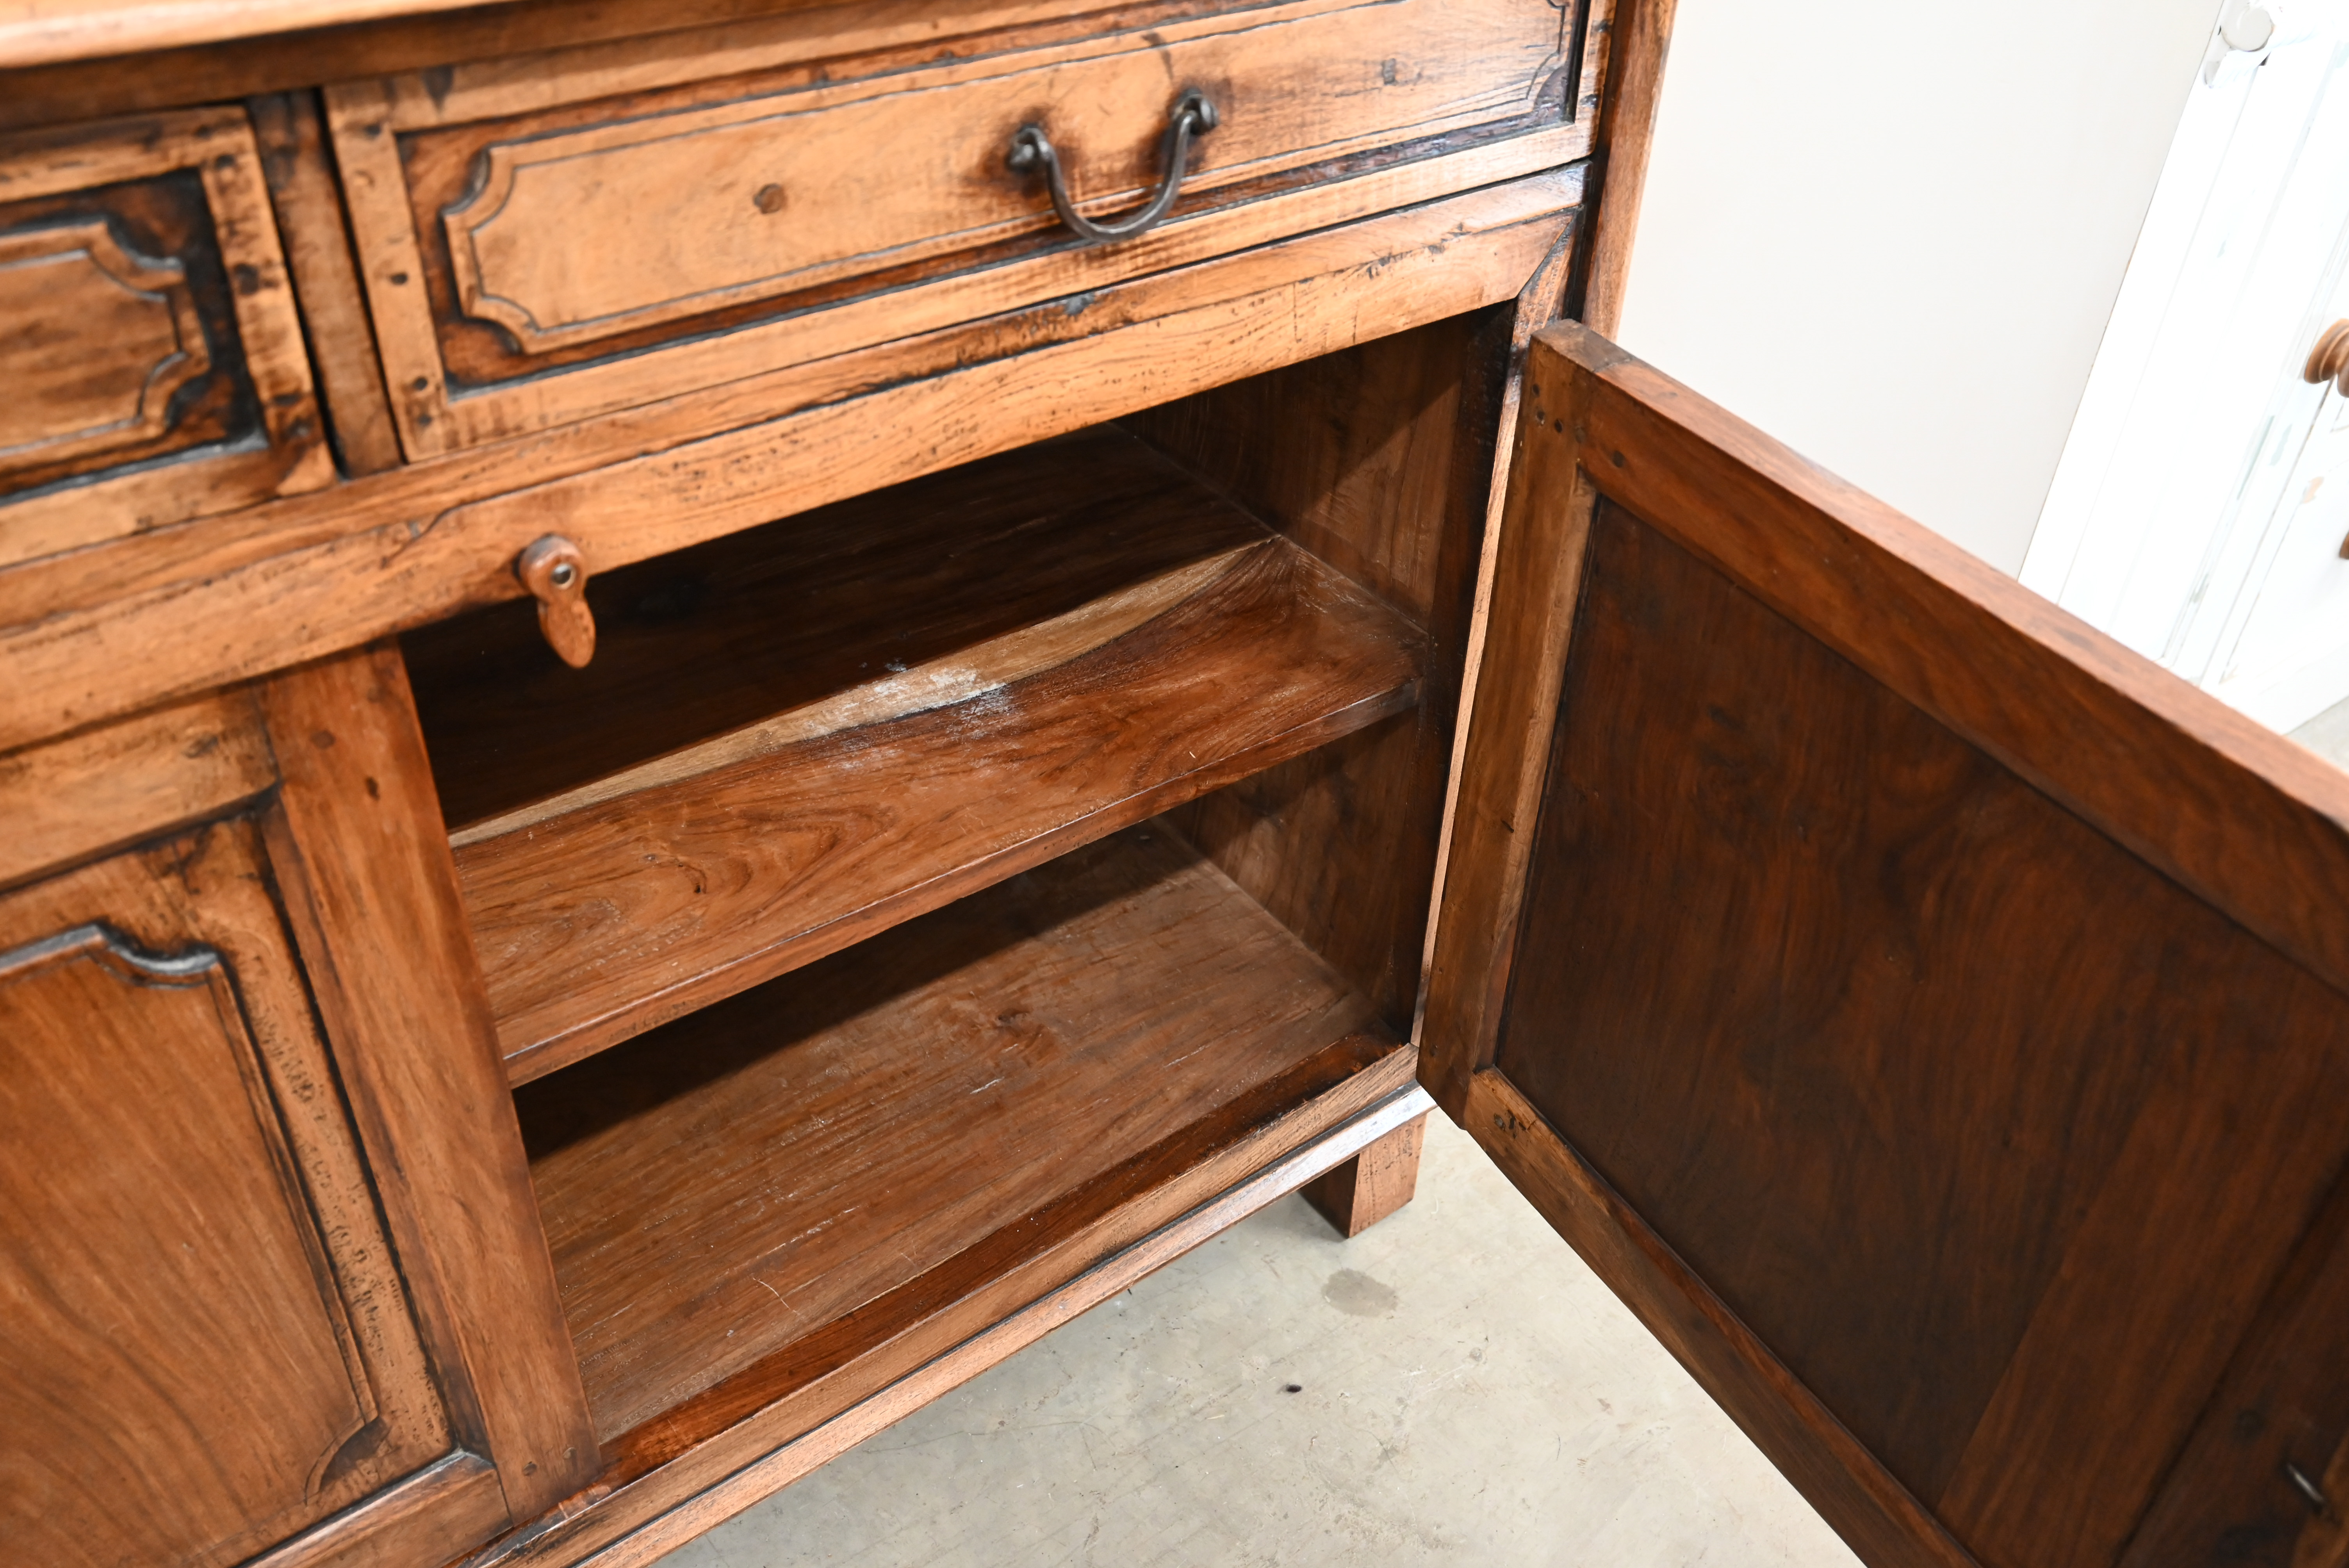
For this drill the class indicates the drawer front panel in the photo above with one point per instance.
(113, 338)
(502, 248)
(147, 337)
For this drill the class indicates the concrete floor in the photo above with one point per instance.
(2327, 734)
(1464, 1392)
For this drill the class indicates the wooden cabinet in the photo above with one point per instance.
(487, 1092)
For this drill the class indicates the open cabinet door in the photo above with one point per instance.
(1929, 1015)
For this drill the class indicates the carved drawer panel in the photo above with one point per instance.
(549, 238)
(148, 343)
(205, 1346)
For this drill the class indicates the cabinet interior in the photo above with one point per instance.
(1007, 862)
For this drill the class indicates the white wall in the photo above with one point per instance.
(1890, 231)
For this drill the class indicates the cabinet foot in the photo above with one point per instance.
(1363, 1190)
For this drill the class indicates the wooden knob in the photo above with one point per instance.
(555, 573)
(2329, 360)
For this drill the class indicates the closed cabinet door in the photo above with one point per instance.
(1932, 1018)
(209, 1348)
(214, 1345)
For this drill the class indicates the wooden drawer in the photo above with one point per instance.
(147, 337)
(548, 239)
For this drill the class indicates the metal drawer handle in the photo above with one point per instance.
(1193, 115)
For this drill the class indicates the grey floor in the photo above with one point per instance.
(1464, 1392)
(2327, 734)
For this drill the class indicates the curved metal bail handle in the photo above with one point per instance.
(1193, 115)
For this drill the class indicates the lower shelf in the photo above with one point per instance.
(776, 1206)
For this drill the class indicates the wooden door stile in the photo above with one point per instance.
(310, 221)
(1638, 37)
(1535, 582)
(372, 896)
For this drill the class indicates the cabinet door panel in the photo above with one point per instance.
(272, 1287)
(207, 1347)
(1927, 1017)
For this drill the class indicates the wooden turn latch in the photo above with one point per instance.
(555, 571)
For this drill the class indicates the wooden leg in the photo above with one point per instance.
(1373, 1184)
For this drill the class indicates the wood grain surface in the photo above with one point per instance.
(478, 286)
(1876, 1516)
(451, 1504)
(118, 627)
(224, 52)
(303, 186)
(1858, 954)
(210, 1347)
(728, 634)
(1637, 42)
(98, 387)
(606, 912)
(74, 798)
(152, 339)
(735, 1182)
(1519, 658)
(33, 33)
(2254, 823)
(1377, 461)
(711, 195)
(2229, 1498)
(1100, 1239)
(373, 903)
(1357, 1194)
(1788, 1019)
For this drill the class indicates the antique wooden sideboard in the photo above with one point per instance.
(709, 707)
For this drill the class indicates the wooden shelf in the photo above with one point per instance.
(773, 757)
(789, 1199)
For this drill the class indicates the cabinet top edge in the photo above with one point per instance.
(58, 32)
(44, 33)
